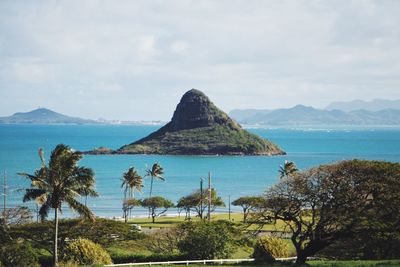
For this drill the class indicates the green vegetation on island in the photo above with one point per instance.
(198, 127)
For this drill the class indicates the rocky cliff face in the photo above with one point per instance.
(198, 127)
(196, 110)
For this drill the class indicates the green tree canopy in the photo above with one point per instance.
(198, 201)
(207, 240)
(247, 203)
(331, 202)
(61, 181)
(155, 203)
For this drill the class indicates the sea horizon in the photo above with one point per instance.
(232, 176)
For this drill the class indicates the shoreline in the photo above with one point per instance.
(166, 216)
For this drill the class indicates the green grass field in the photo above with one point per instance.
(382, 263)
(165, 221)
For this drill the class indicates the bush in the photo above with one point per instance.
(268, 248)
(85, 252)
(207, 240)
(17, 253)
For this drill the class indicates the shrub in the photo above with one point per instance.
(207, 240)
(85, 252)
(17, 253)
(268, 248)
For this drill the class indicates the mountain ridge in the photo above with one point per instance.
(373, 105)
(300, 115)
(43, 116)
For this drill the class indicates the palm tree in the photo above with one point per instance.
(288, 169)
(62, 181)
(156, 171)
(131, 181)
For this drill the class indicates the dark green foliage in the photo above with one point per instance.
(103, 231)
(85, 252)
(166, 240)
(199, 127)
(350, 199)
(198, 201)
(268, 248)
(17, 253)
(207, 140)
(60, 182)
(367, 245)
(206, 240)
(155, 203)
(248, 204)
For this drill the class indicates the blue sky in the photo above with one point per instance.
(133, 60)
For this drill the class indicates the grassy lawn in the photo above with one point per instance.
(382, 263)
(355, 263)
(165, 221)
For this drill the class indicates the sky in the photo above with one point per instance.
(133, 60)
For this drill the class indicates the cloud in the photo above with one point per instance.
(260, 54)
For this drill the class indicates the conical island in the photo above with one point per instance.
(198, 127)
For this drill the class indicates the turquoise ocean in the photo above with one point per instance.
(232, 176)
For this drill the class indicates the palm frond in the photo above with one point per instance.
(44, 210)
(29, 176)
(80, 208)
(33, 194)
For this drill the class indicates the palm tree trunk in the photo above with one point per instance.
(124, 215)
(151, 185)
(130, 210)
(55, 256)
(151, 189)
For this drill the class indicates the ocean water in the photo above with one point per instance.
(232, 176)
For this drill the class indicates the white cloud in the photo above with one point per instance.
(262, 54)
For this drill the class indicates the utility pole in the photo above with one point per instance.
(5, 199)
(229, 207)
(209, 197)
(201, 198)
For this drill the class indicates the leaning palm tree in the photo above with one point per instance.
(131, 181)
(61, 181)
(156, 171)
(288, 169)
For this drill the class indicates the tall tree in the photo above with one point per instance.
(247, 203)
(156, 171)
(198, 201)
(330, 202)
(186, 204)
(287, 170)
(155, 203)
(131, 181)
(61, 181)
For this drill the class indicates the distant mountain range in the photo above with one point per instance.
(357, 112)
(374, 105)
(47, 116)
(43, 116)
(302, 115)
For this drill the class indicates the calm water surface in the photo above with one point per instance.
(232, 176)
